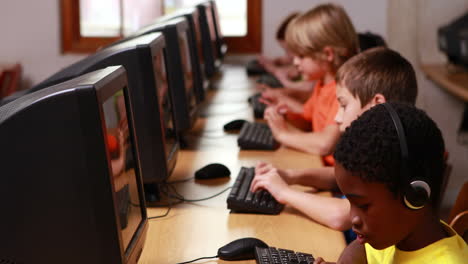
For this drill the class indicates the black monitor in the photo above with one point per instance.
(220, 44)
(71, 184)
(144, 59)
(191, 15)
(453, 40)
(181, 65)
(208, 33)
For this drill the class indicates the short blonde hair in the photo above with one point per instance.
(326, 25)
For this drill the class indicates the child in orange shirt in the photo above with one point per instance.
(321, 39)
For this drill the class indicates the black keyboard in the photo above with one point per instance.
(242, 200)
(256, 136)
(273, 255)
(269, 80)
(257, 106)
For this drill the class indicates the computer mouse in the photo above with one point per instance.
(240, 249)
(212, 171)
(234, 125)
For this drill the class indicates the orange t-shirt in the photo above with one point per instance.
(321, 109)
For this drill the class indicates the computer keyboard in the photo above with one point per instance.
(269, 80)
(273, 255)
(256, 136)
(242, 200)
(257, 106)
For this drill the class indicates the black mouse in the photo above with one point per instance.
(211, 171)
(240, 249)
(234, 125)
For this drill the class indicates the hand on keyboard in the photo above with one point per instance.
(272, 182)
(241, 199)
(276, 122)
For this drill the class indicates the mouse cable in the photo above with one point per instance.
(182, 198)
(180, 181)
(169, 206)
(161, 216)
(197, 259)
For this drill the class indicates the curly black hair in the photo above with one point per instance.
(370, 148)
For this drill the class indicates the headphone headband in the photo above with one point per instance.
(416, 192)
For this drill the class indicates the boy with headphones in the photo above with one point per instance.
(389, 164)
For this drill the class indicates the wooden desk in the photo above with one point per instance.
(455, 82)
(193, 230)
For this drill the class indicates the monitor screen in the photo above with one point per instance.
(165, 109)
(120, 149)
(186, 60)
(212, 29)
(198, 37)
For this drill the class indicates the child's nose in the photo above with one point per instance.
(339, 116)
(356, 221)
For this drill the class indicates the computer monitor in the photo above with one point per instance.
(196, 47)
(453, 40)
(144, 59)
(181, 65)
(220, 44)
(71, 181)
(208, 33)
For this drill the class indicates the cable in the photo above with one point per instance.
(176, 195)
(182, 198)
(197, 259)
(163, 215)
(179, 181)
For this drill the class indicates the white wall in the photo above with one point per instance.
(412, 30)
(366, 15)
(31, 36)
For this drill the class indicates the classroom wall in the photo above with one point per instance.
(30, 35)
(366, 15)
(412, 29)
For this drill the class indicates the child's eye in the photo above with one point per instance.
(363, 206)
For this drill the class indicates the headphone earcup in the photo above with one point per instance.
(417, 194)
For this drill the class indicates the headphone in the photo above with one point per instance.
(416, 193)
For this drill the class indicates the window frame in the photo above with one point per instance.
(73, 42)
(252, 42)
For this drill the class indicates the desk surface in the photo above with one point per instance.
(193, 230)
(455, 82)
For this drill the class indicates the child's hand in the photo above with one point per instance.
(276, 122)
(270, 97)
(272, 182)
(264, 167)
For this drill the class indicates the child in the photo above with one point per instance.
(378, 176)
(321, 39)
(287, 58)
(368, 79)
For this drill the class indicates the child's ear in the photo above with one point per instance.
(329, 53)
(378, 99)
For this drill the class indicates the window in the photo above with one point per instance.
(88, 25)
(240, 22)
